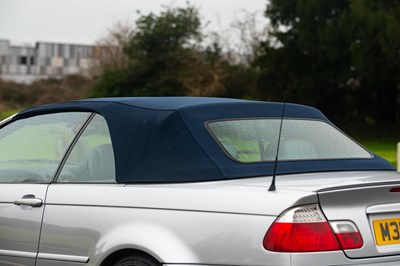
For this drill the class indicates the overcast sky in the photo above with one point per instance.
(85, 21)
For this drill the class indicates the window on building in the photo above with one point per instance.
(23, 60)
(3, 59)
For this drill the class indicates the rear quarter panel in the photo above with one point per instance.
(192, 224)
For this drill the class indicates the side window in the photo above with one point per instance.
(92, 158)
(32, 148)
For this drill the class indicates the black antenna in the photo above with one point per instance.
(272, 187)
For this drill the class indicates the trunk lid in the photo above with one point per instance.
(372, 207)
(365, 198)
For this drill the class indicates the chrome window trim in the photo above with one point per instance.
(6, 120)
(20, 254)
(59, 257)
(72, 145)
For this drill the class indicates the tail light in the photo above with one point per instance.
(305, 229)
(347, 233)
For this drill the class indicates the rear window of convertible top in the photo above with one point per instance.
(256, 140)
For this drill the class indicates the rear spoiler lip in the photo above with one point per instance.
(359, 185)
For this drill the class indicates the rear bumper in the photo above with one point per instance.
(337, 258)
(322, 259)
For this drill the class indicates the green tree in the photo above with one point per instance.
(375, 57)
(340, 55)
(167, 54)
(160, 51)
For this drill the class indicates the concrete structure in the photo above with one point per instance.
(27, 63)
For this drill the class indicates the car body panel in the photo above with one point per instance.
(169, 236)
(352, 204)
(20, 224)
(219, 196)
(325, 181)
(163, 223)
(336, 258)
(356, 196)
(156, 212)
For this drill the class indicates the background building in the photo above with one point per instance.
(27, 63)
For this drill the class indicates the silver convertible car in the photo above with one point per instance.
(184, 181)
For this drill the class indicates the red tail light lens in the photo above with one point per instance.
(348, 235)
(395, 189)
(300, 237)
(305, 229)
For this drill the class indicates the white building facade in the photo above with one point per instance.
(25, 64)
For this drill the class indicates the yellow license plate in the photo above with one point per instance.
(387, 231)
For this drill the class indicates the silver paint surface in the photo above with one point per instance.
(209, 223)
(19, 224)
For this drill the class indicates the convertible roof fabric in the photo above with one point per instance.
(164, 139)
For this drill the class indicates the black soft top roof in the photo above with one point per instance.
(164, 139)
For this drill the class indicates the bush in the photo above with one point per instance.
(14, 96)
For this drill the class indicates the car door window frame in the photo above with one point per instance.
(12, 119)
(70, 150)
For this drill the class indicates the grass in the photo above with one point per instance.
(4, 115)
(384, 148)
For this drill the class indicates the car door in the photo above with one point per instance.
(73, 221)
(31, 151)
